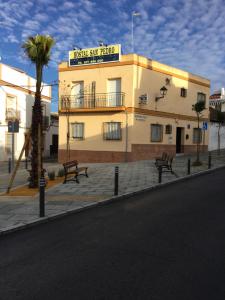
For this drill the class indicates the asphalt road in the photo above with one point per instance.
(165, 244)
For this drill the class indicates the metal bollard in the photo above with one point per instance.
(42, 197)
(9, 165)
(189, 167)
(209, 161)
(160, 174)
(116, 186)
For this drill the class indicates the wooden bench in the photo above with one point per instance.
(71, 168)
(161, 158)
(165, 164)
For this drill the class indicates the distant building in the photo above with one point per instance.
(114, 110)
(52, 134)
(17, 91)
(216, 103)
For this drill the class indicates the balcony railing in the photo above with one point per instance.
(92, 100)
(12, 114)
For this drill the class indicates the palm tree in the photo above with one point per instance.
(38, 50)
(198, 107)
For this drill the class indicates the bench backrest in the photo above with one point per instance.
(70, 164)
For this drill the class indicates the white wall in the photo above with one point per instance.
(53, 129)
(213, 137)
(25, 102)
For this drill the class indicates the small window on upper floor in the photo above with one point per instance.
(183, 92)
(201, 97)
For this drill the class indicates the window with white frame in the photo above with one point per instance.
(112, 131)
(77, 131)
(11, 107)
(197, 135)
(156, 132)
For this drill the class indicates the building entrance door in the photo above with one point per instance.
(77, 93)
(179, 140)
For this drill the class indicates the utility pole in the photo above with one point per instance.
(134, 14)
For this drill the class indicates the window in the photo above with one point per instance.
(168, 129)
(77, 94)
(156, 133)
(201, 97)
(11, 107)
(112, 131)
(77, 131)
(197, 135)
(183, 92)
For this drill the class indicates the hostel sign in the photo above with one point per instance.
(103, 54)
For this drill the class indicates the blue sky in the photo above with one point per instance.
(188, 34)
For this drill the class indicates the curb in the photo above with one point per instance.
(105, 202)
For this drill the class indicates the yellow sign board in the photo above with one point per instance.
(97, 55)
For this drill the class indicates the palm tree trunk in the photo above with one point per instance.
(36, 123)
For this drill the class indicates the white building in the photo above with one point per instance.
(216, 101)
(17, 91)
(51, 138)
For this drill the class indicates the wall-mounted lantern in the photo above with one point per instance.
(163, 92)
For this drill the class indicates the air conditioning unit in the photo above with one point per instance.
(143, 99)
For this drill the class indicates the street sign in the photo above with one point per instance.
(204, 126)
(13, 126)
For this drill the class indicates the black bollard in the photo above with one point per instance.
(189, 166)
(42, 197)
(116, 186)
(160, 174)
(209, 160)
(9, 165)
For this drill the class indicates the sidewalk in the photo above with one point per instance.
(99, 186)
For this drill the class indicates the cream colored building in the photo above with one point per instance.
(114, 111)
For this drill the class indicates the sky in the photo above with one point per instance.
(187, 34)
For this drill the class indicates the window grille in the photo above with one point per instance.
(112, 131)
(197, 135)
(201, 97)
(183, 92)
(156, 132)
(77, 131)
(168, 129)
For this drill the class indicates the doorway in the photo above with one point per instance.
(179, 140)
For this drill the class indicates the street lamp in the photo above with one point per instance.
(163, 92)
(134, 14)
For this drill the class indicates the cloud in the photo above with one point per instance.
(186, 34)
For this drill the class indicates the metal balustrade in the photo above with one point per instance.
(97, 100)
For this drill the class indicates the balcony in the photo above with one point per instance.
(12, 114)
(84, 102)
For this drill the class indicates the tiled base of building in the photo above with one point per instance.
(139, 152)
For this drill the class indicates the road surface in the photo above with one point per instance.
(164, 244)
